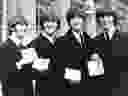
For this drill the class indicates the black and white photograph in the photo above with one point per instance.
(62, 47)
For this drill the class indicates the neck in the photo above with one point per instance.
(76, 30)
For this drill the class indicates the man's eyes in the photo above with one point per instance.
(110, 18)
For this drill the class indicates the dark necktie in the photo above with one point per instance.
(107, 36)
(82, 39)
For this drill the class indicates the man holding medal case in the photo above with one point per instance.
(25, 53)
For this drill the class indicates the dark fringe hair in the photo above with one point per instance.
(14, 21)
(73, 12)
(43, 19)
(100, 14)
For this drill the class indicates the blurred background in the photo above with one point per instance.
(28, 8)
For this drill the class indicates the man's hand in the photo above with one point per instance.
(72, 74)
(19, 66)
(41, 64)
(28, 56)
(29, 53)
(95, 68)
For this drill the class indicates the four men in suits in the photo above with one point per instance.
(74, 38)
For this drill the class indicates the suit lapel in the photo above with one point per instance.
(107, 37)
(11, 44)
(77, 41)
(46, 43)
(100, 36)
(115, 36)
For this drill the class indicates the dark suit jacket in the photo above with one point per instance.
(43, 46)
(69, 41)
(8, 53)
(100, 37)
(9, 44)
(44, 50)
(116, 36)
(71, 52)
(11, 55)
(70, 49)
(42, 42)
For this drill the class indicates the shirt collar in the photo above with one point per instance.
(111, 33)
(27, 40)
(77, 36)
(15, 40)
(93, 35)
(50, 38)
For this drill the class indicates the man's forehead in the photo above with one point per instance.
(19, 26)
(107, 18)
(77, 19)
(50, 22)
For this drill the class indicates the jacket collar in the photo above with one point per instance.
(15, 40)
(51, 39)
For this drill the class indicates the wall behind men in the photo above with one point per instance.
(25, 8)
(1, 19)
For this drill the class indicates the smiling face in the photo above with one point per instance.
(107, 22)
(50, 27)
(20, 29)
(76, 23)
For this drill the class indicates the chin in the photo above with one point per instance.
(76, 29)
(50, 32)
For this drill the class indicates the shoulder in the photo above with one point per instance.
(66, 36)
(37, 39)
(100, 36)
(117, 33)
(4, 45)
(34, 42)
(86, 35)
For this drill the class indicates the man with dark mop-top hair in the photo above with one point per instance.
(108, 21)
(75, 37)
(11, 47)
(49, 25)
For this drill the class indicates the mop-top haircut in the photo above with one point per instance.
(13, 22)
(101, 14)
(74, 12)
(44, 19)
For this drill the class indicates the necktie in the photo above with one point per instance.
(82, 39)
(107, 36)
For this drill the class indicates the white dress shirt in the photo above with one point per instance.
(77, 36)
(15, 39)
(51, 39)
(111, 32)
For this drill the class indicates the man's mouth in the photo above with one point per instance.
(20, 37)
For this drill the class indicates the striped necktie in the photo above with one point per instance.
(107, 36)
(82, 39)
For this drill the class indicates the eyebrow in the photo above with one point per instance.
(51, 24)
